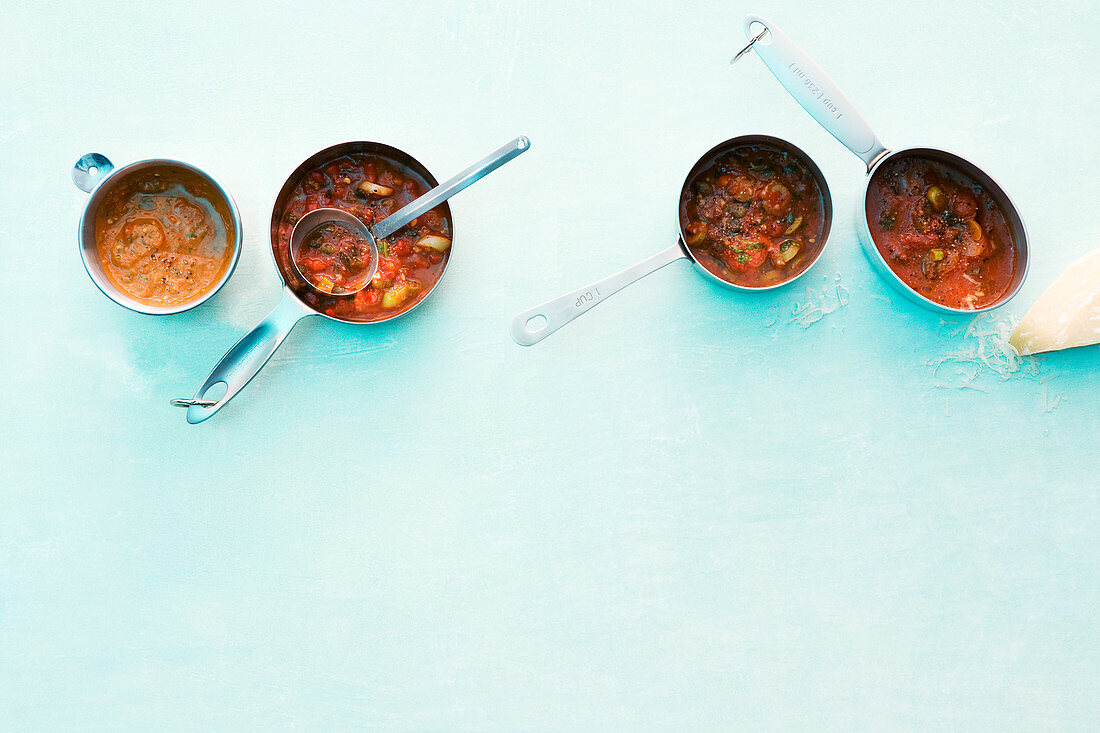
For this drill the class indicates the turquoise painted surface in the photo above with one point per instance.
(670, 515)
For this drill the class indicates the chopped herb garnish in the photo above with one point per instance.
(761, 169)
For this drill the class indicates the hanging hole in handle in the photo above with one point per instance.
(90, 170)
(536, 323)
(215, 392)
(523, 143)
(760, 33)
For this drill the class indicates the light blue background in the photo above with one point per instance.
(667, 516)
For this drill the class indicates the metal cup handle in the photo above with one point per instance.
(90, 171)
(814, 90)
(535, 324)
(242, 362)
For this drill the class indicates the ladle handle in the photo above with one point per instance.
(814, 90)
(242, 362)
(449, 188)
(565, 308)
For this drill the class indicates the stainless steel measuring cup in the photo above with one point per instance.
(535, 324)
(95, 174)
(823, 100)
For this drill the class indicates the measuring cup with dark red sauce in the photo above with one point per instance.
(755, 214)
(933, 225)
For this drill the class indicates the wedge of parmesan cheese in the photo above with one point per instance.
(1067, 314)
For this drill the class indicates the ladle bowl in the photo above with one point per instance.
(314, 220)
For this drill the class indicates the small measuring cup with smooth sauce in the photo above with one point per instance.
(755, 214)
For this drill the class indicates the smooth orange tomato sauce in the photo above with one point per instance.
(164, 235)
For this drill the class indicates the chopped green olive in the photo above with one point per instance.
(937, 255)
(788, 250)
(937, 198)
(697, 237)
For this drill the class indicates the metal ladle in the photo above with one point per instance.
(315, 219)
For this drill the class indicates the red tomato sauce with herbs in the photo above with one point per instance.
(941, 232)
(372, 187)
(754, 217)
(334, 258)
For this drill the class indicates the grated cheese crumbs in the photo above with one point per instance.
(818, 305)
(985, 348)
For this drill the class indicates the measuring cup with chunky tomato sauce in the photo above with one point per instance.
(933, 225)
(755, 213)
(373, 182)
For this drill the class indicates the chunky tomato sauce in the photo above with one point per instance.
(941, 232)
(754, 217)
(164, 235)
(334, 259)
(372, 187)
